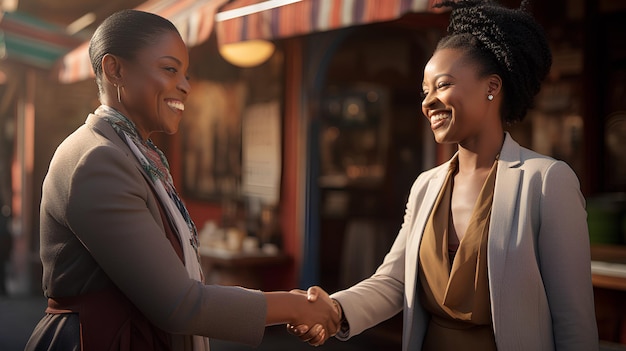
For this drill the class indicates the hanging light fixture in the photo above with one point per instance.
(247, 53)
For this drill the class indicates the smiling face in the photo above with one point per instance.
(155, 85)
(455, 100)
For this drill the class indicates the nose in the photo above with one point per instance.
(427, 103)
(428, 100)
(184, 85)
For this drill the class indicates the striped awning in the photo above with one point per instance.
(29, 40)
(242, 20)
(192, 18)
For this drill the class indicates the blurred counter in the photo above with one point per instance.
(608, 268)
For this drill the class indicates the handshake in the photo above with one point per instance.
(317, 319)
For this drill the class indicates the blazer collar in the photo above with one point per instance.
(511, 152)
(98, 123)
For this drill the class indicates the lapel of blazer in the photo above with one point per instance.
(422, 209)
(503, 213)
(105, 129)
(417, 229)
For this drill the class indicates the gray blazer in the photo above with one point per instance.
(100, 225)
(538, 260)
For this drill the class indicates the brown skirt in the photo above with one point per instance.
(450, 335)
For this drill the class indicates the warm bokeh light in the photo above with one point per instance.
(247, 53)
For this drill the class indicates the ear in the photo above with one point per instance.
(112, 69)
(494, 84)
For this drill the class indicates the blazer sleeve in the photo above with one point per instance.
(107, 210)
(564, 258)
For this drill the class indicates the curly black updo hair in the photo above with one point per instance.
(503, 41)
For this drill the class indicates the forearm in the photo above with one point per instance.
(281, 307)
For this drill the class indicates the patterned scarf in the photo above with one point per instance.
(154, 163)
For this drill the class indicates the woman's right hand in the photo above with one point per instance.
(316, 334)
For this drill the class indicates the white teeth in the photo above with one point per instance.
(177, 105)
(439, 117)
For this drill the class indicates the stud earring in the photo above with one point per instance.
(489, 97)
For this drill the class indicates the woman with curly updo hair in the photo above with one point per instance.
(494, 250)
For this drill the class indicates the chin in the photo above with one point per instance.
(445, 136)
(172, 129)
(440, 138)
(445, 141)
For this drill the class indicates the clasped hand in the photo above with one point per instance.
(317, 332)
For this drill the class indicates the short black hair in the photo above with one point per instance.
(123, 34)
(503, 41)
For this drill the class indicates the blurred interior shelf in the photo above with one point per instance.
(608, 266)
(240, 269)
(230, 258)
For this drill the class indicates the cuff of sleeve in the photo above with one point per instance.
(344, 326)
(344, 330)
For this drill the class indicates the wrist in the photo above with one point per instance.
(344, 327)
(338, 308)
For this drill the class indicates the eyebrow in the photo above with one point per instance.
(173, 58)
(439, 76)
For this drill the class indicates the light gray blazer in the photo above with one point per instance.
(538, 260)
(100, 225)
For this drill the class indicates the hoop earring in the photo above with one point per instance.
(119, 96)
(489, 97)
